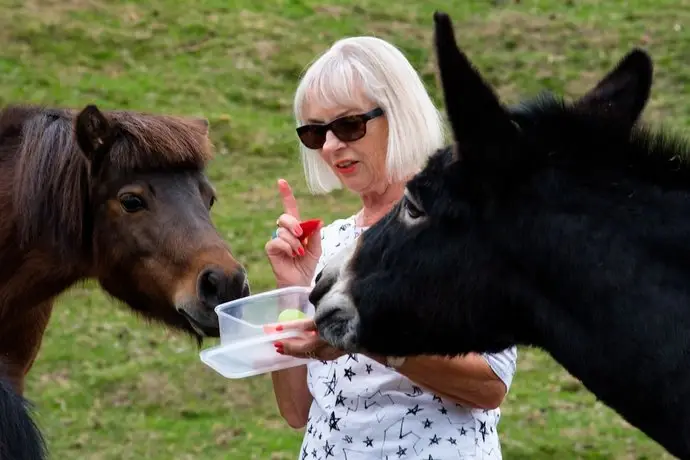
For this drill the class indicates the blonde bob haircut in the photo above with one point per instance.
(374, 67)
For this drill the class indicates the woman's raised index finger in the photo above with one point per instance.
(289, 201)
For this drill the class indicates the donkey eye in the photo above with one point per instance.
(132, 203)
(212, 202)
(412, 210)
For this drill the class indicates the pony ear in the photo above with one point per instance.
(479, 121)
(624, 91)
(95, 135)
(201, 123)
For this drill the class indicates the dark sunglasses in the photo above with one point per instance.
(348, 129)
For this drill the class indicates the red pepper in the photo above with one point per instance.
(308, 227)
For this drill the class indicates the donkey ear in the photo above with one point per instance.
(478, 119)
(624, 91)
(94, 133)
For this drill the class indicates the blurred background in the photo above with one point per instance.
(109, 386)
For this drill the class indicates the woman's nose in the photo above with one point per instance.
(332, 142)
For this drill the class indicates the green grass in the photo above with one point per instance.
(111, 387)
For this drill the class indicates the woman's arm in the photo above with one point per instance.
(468, 380)
(292, 395)
(474, 380)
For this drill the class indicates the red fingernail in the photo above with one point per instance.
(301, 251)
(294, 254)
(280, 351)
(278, 344)
(279, 328)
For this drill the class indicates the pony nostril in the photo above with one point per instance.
(239, 285)
(216, 287)
(209, 287)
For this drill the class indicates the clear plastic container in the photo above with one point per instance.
(247, 333)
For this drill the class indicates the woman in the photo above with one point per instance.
(366, 123)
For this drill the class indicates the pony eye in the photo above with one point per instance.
(212, 202)
(132, 203)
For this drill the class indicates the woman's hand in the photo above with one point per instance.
(309, 345)
(293, 264)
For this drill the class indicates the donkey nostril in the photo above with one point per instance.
(316, 294)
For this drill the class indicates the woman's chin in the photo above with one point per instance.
(354, 185)
(351, 181)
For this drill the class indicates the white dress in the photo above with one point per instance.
(363, 410)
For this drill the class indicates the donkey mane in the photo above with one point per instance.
(588, 142)
(53, 179)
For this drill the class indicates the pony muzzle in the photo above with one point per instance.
(203, 321)
(213, 286)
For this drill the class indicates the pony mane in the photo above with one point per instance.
(588, 142)
(52, 182)
(157, 142)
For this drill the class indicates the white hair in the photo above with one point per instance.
(383, 73)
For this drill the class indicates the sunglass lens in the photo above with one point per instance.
(311, 137)
(349, 129)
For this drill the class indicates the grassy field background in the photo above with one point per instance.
(110, 387)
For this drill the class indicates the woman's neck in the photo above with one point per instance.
(375, 205)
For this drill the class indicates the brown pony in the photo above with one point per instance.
(120, 197)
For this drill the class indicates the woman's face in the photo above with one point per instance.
(360, 165)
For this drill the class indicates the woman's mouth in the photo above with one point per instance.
(346, 166)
